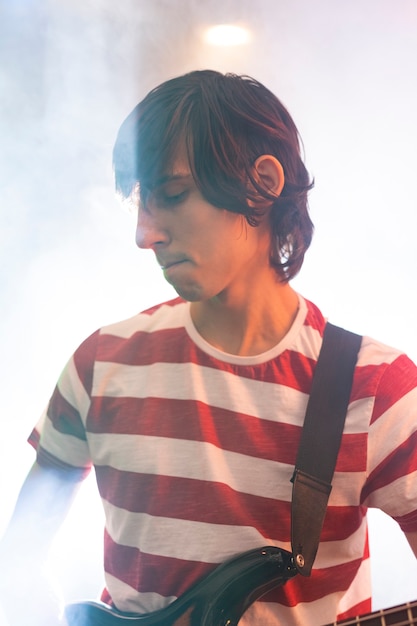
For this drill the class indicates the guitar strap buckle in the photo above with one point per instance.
(320, 442)
(309, 504)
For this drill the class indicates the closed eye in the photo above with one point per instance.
(170, 191)
(174, 198)
(164, 198)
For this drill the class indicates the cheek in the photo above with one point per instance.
(220, 237)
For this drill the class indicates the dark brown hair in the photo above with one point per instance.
(226, 122)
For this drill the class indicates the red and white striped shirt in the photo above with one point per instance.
(194, 450)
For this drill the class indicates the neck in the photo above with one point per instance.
(247, 326)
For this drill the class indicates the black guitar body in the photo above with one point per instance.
(220, 599)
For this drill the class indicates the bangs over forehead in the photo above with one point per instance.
(150, 139)
(225, 123)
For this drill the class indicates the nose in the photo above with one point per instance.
(149, 231)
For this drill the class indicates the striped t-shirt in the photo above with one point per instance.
(194, 450)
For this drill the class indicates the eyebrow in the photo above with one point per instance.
(186, 176)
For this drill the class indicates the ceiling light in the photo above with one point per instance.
(227, 35)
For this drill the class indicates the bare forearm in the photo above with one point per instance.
(41, 507)
(27, 595)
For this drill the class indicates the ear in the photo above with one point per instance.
(269, 173)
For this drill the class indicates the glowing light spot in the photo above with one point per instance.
(227, 35)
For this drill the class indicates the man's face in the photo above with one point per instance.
(204, 252)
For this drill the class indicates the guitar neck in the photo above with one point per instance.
(402, 615)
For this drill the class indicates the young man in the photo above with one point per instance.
(191, 412)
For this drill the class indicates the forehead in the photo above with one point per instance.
(177, 168)
(179, 162)
(178, 171)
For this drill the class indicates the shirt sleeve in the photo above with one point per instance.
(60, 437)
(391, 483)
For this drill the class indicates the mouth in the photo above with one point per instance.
(169, 264)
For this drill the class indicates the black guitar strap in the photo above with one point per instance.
(320, 441)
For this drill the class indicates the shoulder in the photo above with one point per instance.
(129, 340)
(168, 314)
(390, 369)
(373, 353)
(381, 369)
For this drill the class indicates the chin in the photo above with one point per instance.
(190, 293)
